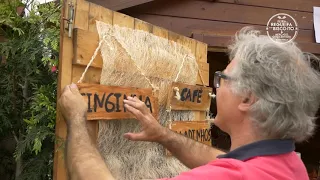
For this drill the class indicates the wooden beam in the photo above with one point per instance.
(296, 5)
(187, 26)
(221, 12)
(224, 41)
(117, 5)
(65, 70)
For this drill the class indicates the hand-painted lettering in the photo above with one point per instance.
(202, 135)
(117, 95)
(148, 103)
(97, 101)
(112, 102)
(109, 102)
(192, 96)
(199, 96)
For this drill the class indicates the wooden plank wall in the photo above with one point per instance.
(214, 22)
(75, 53)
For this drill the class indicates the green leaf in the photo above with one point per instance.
(37, 146)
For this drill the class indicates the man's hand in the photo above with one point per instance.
(151, 129)
(72, 105)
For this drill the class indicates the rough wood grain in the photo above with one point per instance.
(196, 130)
(81, 15)
(221, 12)
(98, 13)
(224, 41)
(188, 26)
(191, 97)
(65, 66)
(106, 102)
(296, 5)
(123, 20)
(117, 5)
(85, 43)
(142, 25)
(161, 32)
(92, 76)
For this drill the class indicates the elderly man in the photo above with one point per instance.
(266, 101)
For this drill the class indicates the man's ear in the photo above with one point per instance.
(247, 102)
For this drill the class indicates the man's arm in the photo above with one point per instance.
(191, 153)
(83, 158)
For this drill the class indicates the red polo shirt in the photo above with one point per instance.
(263, 160)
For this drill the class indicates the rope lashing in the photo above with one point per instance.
(169, 121)
(212, 95)
(177, 96)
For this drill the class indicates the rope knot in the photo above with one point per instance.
(177, 96)
(212, 95)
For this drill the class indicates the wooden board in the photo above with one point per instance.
(221, 12)
(106, 102)
(296, 5)
(224, 41)
(65, 73)
(187, 26)
(191, 97)
(118, 5)
(75, 54)
(196, 130)
(86, 42)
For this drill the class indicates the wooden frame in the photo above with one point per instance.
(71, 66)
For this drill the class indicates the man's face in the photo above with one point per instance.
(228, 113)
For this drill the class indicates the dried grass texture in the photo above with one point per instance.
(136, 58)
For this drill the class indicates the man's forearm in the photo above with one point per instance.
(83, 158)
(191, 153)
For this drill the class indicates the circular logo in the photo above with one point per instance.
(282, 28)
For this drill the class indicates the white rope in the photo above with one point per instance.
(184, 58)
(169, 122)
(91, 60)
(212, 95)
(201, 78)
(177, 96)
(96, 53)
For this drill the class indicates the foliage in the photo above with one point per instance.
(28, 86)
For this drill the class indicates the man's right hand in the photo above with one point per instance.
(151, 130)
(72, 105)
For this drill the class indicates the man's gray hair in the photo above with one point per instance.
(282, 79)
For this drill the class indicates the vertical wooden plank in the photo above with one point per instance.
(201, 52)
(81, 15)
(201, 56)
(123, 20)
(199, 116)
(65, 69)
(98, 13)
(142, 25)
(161, 32)
(172, 36)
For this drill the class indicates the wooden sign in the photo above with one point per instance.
(189, 97)
(196, 130)
(106, 102)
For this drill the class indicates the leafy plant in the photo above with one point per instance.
(28, 80)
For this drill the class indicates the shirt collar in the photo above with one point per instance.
(261, 148)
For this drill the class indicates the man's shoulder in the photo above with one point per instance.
(263, 167)
(217, 169)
